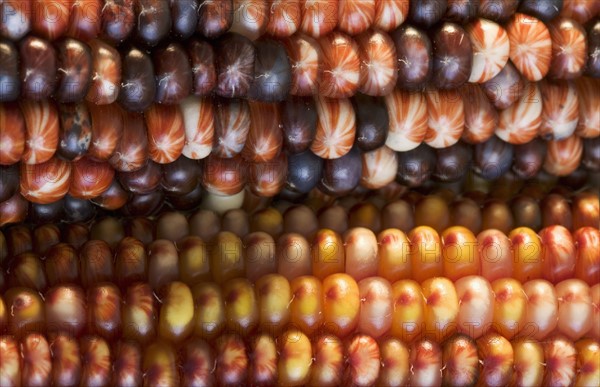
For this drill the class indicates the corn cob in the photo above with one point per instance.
(167, 76)
(420, 256)
(533, 45)
(150, 21)
(197, 127)
(183, 181)
(336, 304)
(295, 359)
(516, 253)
